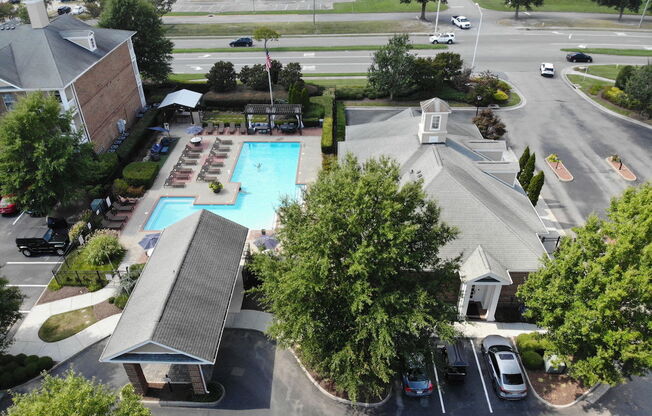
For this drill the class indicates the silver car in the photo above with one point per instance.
(506, 374)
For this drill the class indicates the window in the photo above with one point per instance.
(91, 41)
(9, 100)
(436, 121)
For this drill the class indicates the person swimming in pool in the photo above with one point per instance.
(258, 165)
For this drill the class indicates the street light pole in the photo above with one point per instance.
(313, 12)
(477, 38)
(437, 17)
(647, 3)
(477, 104)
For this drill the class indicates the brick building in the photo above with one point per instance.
(92, 71)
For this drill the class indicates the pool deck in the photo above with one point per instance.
(309, 166)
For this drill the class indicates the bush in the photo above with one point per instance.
(76, 230)
(32, 369)
(111, 300)
(20, 375)
(327, 136)
(45, 363)
(31, 359)
(502, 85)
(6, 359)
(140, 173)
(500, 96)
(11, 366)
(351, 93)
(6, 380)
(290, 75)
(102, 247)
(532, 341)
(216, 186)
(613, 94)
(138, 136)
(532, 360)
(314, 110)
(222, 77)
(595, 89)
(340, 119)
(121, 301)
(120, 187)
(135, 270)
(20, 359)
(623, 76)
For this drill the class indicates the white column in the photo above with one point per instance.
(491, 310)
(463, 303)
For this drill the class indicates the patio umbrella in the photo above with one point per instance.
(194, 130)
(268, 242)
(161, 129)
(149, 241)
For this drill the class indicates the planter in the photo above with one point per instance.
(621, 169)
(560, 170)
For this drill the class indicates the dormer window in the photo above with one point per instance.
(91, 41)
(435, 123)
(83, 38)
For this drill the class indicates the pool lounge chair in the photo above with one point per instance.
(193, 149)
(231, 128)
(122, 208)
(181, 170)
(217, 155)
(215, 163)
(210, 169)
(112, 225)
(191, 155)
(209, 128)
(126, 200)
(115, 218)
(220, 129)
(226, 142)
(174, 184)
(243, 129)
(177, 175)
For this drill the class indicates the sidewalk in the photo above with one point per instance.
(27, 341)
(481, 329)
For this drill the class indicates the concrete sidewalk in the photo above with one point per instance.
(27, 341)
(481, 329)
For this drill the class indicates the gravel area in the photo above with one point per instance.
(105, 309)
(557, 389)
(64, 292)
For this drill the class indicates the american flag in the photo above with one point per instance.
(268, 62)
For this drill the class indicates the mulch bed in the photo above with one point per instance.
(64, 292)
(622, 170)
(560, 170)
(105, 309)
(557, 389)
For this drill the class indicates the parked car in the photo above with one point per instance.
(578, 57)
(14, 1)
(453, 361)
(442, 38)
(505, 372)
(242, 42)
(461, 21)
(76, 10)
(416, 382)
(8, 205)
(53, 241)
(64, 10)
(547, 70)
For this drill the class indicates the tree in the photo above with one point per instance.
(7, 11)
(22, 15)
(10, 301)
(621, 5)
(624, 75)
(595, 296)
(163, 6)
(534, 188)
(41, 158)
(426, 75)
(462, 81)
(222, 77)
(304, 98)
(290, 75)
(275, 71)
(490, 125)
(254, 77)
(639, 87)
(522, 161)
(449, 63)
(527, 4)
(75, 395)
(359, 280)
(526, 174)
(153, 50)
(390, 70)
(423, 6)
(266, 34)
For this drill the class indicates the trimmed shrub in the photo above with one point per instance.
(135, 270)
(45, 363)
(6, 380)
(340, 120)
(595, 89)
(138, 136)
(6, 359)
(32, 369)
(532, 360)
(121, 301)
(11, 366)
(500, 96)
(31, 359)
(140, 173)
(111, 300)
(613, 94)
(20, 375)
(502, 85)
(120, 187)
(532, 341)
(624, 75)
(102, 247)
(76, 230)
(351, 93)
(327, 136)
(20, 359)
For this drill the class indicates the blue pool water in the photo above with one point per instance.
(266, 171)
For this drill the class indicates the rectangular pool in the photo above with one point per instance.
(267, 172)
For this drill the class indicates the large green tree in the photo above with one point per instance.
(265, 34)
(639, 86)
(153, 50)
(391, 68)
(423, 3)
(621, 5)
(526, 4)
(595, 296)
(75, 395)
(359, 279)
(41, 159)
(222, 77)
(10, 300)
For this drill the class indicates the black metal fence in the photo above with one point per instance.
(64, 276)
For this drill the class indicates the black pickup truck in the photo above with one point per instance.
(53, 240)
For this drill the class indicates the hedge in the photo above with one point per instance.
(532, 360)
(138, 136)
(327, 136)
(532, 341)
(15, 370)
(340, 121)
(140, 173)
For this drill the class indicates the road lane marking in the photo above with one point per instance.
(34, 262)
(526, 13)
(621, 34)
(308, 68)
(16, 220)
(28, 285)
(441, 399)
(570, 36)
(306, 54)
(206, 56)
(581, 46)
(475, 354)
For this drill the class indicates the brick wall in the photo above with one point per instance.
(108, 92)
(136, 377)
(508, 293)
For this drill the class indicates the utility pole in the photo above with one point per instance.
(477, 37)
(647, 3)
(437, 17)
(313, 11)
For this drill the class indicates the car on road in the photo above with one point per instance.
(461, 21)
(414, 377)
(242, 42)
(442, 38)
(76, 10)
(8, 205)
(504, 370)
(64, 10)
(578, 57)
(547, 70)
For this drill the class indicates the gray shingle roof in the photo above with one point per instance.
(183, 294)
(487, 211)
(43, 59)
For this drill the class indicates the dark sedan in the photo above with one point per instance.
(64, 10)
(578, 57)
(242, 42)
(416, 382)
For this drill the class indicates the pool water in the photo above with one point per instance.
(267, 172)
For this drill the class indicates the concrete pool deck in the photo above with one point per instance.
(308, 168)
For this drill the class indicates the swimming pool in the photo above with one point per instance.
(266, 171)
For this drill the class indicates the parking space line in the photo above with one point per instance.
(16, 220)
(28, 285)
(477, 362)
(34, 262)
(441, 399)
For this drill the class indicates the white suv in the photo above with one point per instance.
(442, 38)
(547, 70)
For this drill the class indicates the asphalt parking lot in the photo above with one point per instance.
(30, 274)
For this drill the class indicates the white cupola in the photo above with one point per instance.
(434, 117)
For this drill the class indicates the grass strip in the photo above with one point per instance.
(304, 48)
(604, 71)
(67, 324)
(298, 28)
(585, 85)
(608, 51)
(335, 74)
(339, 83)
(580, 6)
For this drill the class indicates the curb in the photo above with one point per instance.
(166, 403)
(598, 106)
(608, 160)
(554, 170)
(602, 29)
(339, 399)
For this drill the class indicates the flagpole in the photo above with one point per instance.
(268, 65)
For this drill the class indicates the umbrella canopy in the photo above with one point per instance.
(194, 129)
(149, 241)
(268, 242)
(159, 129)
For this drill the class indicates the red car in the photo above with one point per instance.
(7, 205)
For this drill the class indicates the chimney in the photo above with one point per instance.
(38, 16)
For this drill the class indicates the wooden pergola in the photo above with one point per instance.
(274, 110)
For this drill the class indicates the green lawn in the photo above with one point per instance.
(76, 262)
(585, 6)
(586, 84)
(67, 324)
(335, 74)
(607, 51)
(340, 83)
(358, 6)
(604, 71)
(199, 78)
(297, 28)
(304, 48)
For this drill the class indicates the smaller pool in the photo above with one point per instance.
(267, 172)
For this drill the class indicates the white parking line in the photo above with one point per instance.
(441, 399)
(34, 262)
(28, 285)
(475, 354)
(16, 220)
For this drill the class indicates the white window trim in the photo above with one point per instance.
(432, 123)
